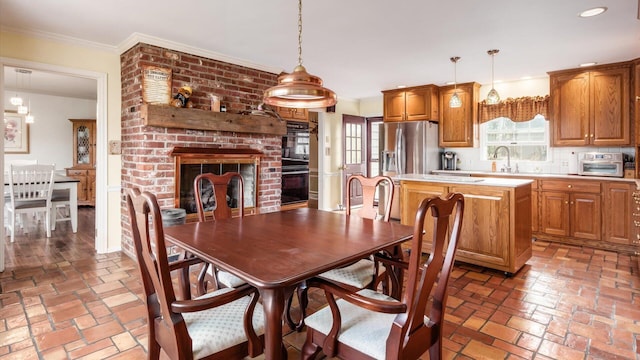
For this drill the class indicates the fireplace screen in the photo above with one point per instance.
(191, 165)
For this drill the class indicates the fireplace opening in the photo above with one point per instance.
(190, 162)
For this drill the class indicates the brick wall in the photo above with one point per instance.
(146, 163)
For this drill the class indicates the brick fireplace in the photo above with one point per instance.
(147, 160)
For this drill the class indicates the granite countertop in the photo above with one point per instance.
(467, 180)
(464, 173)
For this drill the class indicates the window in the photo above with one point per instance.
(526, 140)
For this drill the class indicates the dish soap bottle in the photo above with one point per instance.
(493, 166)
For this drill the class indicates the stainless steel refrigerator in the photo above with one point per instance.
(409, 147)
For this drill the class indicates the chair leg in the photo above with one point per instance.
(309, 349)
(13, 226)
(303, 301)
(47, 221)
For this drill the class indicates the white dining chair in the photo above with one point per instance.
(60, 203)
(30, 188)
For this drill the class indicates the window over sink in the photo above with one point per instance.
(526, 140)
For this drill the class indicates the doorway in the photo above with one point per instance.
(100, 81)
(361, 152)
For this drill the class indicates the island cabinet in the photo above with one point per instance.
(571, 209)
(591, 107)
(496, 225)
(411, 104)
(457, 126)
(293, 113)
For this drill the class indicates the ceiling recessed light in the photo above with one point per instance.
(593, 12)
(588, 64)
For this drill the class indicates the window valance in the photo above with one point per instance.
(518, 109)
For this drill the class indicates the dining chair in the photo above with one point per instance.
(60, 203)
(224, 324)
(213, 202)
(363, 273)
(371, 325)
(30, 189)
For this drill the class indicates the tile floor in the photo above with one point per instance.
(60, 300)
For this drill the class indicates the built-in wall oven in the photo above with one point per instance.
(295, 163)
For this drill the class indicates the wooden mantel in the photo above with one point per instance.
(182, 118)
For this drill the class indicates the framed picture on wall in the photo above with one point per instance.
(16, 133)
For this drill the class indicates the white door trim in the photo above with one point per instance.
(101, 142)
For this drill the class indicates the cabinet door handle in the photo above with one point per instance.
(572, 203)
(566, 202)
(586, 135)
(592, 135)
(569, 186)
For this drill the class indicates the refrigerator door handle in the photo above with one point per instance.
(400, 151)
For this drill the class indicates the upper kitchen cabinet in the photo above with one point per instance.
(457, 125)
(636, 111)
(591, 107)
(411, 104)
(293, 113)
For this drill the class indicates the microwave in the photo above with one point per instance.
(600, 164)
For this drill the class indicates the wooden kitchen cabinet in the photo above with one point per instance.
(84, 159)
(496, 225)
(591, 107)
(457, 126)
(411, 104)
(617, 214)
(636, 111)
(293, 113)
(571, 209)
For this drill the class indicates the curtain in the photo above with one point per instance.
(519, 109)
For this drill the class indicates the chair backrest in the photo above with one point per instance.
(7, 165)
(408, 336)
(148, 237)
(31, 182)
(211, 193)
(369, 186)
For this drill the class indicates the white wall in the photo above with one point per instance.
(50, 137)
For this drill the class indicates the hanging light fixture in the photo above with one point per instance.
(22, 108)
(299, 89)
(16, 100)
(492, 97)
(29, 119)
(455, 101)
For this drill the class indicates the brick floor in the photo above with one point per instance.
(61, 300)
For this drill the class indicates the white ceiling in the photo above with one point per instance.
(358, 47)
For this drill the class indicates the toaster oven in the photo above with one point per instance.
(600, 164)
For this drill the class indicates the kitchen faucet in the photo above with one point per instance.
(495, 155)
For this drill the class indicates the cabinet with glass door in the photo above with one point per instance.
(84, 159)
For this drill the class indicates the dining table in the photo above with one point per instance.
(277, 251)
(62, 182)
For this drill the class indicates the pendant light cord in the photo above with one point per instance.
(300, 32)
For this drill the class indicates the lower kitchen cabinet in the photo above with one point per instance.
(496, 226)
(571, 209)
(618, 205)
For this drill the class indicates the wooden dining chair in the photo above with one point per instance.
(370, 325)
(363, 273)
(213, 202)
(30, 188)
(224, 324)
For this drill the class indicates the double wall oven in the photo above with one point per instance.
(295, 164)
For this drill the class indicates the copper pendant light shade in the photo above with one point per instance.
(299, 89)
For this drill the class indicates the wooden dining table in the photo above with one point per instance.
(275, 252)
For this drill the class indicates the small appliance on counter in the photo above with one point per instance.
(449, 160)
(600, 164)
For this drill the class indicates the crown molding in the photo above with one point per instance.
(60, 38)
(136, 38)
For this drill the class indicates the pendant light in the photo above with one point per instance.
(29, 119)
(455, 101)
(492, 97)
(16, 100)
(299, 89)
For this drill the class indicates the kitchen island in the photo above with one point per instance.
(496, 227)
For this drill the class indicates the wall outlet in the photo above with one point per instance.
(115, 147)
